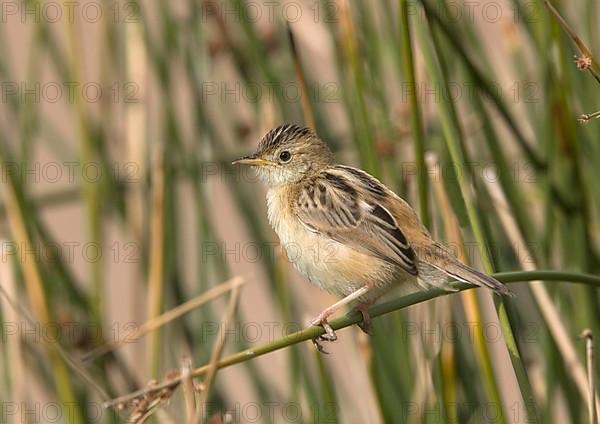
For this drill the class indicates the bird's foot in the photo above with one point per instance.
(328, 336)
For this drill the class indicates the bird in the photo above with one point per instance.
(348, 233)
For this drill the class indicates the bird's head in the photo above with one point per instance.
(288, 153)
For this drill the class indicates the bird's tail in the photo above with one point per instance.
(440, 258)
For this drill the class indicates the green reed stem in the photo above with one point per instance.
(408, 68)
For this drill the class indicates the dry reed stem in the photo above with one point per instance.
(591, 369)
(189, 395)
(309, 120)
(157, 238)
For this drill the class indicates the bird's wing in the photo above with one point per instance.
(334, 205)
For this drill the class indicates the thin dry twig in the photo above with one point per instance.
(144, 406)
(170, 315)
(586, 117)
(146, 401)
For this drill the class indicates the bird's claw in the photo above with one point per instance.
(328, 336)
(317, 343)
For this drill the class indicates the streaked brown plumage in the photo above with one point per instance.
(366, 238)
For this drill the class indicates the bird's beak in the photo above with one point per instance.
(250, 160)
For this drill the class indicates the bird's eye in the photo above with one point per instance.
(285, 156)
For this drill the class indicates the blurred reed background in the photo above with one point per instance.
(118, 124)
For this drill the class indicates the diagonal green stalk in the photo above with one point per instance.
(351, 319)
(595, 67)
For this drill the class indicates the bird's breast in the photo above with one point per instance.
(328, 264)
